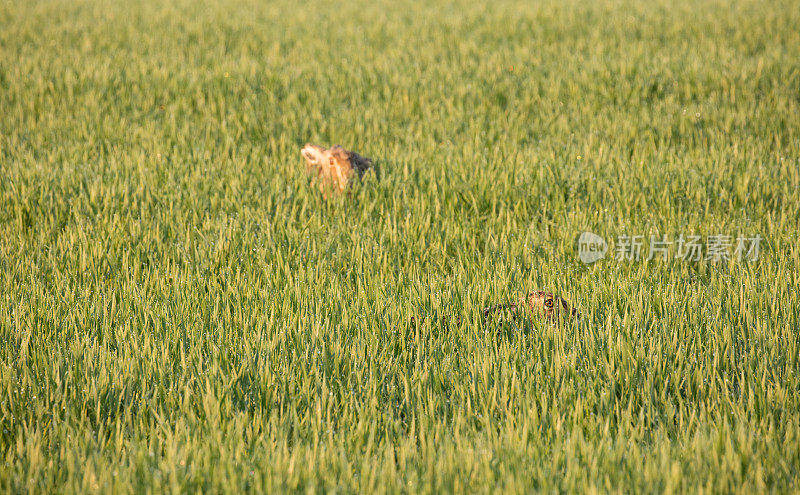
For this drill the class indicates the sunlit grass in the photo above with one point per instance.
(180, 311)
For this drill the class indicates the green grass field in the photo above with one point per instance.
(181, 311)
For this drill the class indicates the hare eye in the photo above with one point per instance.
(549, 303)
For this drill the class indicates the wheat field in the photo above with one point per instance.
(181, 311)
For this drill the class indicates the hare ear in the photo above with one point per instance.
(309, 153)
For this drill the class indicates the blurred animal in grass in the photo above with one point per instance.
(334, 169)
(537, 304)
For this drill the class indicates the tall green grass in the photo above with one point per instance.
(180, 311)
